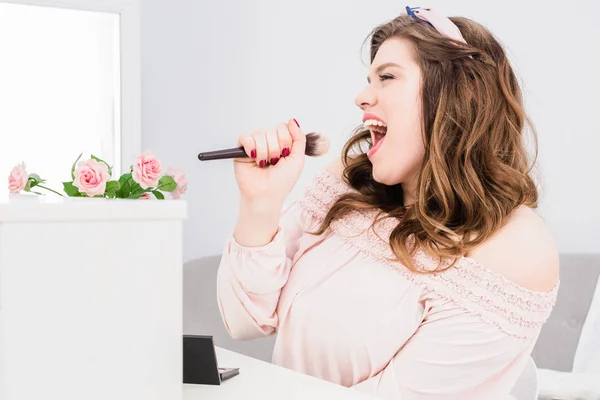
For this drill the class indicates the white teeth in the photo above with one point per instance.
(375, 126)
(373, 122)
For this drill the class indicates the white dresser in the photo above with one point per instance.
(90, 299)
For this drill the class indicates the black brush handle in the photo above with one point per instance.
(239, 152)
(236, 152)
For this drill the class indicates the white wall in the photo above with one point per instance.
(214, 69)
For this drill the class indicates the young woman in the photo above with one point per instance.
(416, 269)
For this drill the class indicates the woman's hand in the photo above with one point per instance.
(266, 179)
(275, 164)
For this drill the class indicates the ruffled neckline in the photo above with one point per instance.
(468, 282)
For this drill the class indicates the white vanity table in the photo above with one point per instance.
(259, 380)
(90, 299)
(91, 308)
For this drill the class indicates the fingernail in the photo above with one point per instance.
(262, 163)
(253, 154)
(285, 152)
(296, 122)
(274, 160)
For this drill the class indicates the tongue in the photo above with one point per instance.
(376, 145)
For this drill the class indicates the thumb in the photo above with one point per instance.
(298, 138)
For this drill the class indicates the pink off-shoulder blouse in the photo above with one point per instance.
(345, 313)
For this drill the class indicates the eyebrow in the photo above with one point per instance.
(382, 67)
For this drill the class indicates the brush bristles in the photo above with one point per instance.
(317, 144)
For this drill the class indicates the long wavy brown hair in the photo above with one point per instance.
(476, 169)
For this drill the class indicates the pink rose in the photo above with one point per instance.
(180, 180)
(91, 177)
(17, 180)
(147, 170)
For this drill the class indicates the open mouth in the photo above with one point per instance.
(378, 130)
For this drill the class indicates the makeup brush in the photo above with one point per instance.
(317, 144)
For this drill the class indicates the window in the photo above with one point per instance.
(64, 79)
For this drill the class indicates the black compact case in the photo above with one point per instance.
(200, 364)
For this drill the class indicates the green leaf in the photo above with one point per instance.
(125, 186)
(158, 195)
(37, 178)
(73, 167)
(135, 187)
(167, 184)
(136, 190)
(113, 185)
(124, 178)
(71, 190)
(33, 181)
(102, 161)
(111, 188)
(136, 195)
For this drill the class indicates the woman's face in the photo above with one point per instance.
(393, 113)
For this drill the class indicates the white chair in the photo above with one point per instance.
(526, 387)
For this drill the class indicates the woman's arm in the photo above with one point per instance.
(251, 276)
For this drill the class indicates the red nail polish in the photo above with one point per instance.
(274, 160)
(262, 163)
(296, 122)
(285, 152)
(253, 154)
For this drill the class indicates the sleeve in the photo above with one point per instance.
(454, 355)
(250, 279)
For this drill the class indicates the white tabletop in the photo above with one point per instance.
(34, 208)
(265, 381)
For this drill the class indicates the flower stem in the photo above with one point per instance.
(47, 188)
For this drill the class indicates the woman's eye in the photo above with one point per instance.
(385, 77)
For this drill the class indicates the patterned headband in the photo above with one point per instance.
(439, 22)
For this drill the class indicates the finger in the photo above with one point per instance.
(260, 144)
(298, 138)
(247, 142)
(273, 144)
(285, 139)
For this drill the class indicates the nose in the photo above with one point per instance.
(366, 98)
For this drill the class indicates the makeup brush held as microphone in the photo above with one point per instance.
(317, 144)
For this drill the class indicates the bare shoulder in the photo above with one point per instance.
(523, 251)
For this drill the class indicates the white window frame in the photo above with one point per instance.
(130, 72)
